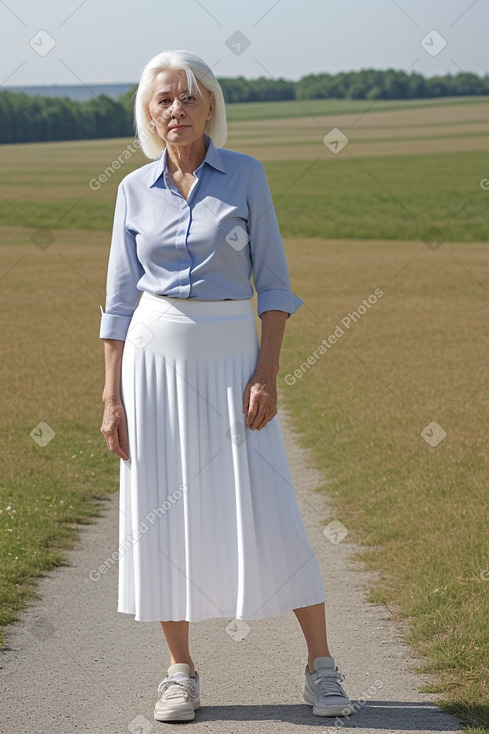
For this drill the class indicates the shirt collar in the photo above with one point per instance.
(212, 157)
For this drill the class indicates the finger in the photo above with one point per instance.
(120, 444)
(253, 408)
(246, 398)
(270, 413)
(112, 440)
(119, 452)
(123, 441)
(261, 412)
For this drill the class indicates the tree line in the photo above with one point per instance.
(25, 118)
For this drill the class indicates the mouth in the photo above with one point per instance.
(179, 127)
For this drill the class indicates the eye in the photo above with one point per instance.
(165, 100)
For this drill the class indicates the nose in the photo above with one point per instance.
(176, 108)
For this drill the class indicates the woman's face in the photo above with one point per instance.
(179, 117)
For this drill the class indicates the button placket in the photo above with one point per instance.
(181, 238)
(185, 260)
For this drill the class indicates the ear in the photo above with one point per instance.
(148, 112)
(211, 106)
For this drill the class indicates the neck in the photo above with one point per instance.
(185, 158)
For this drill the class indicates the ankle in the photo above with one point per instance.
(310, 662)
(189, 663)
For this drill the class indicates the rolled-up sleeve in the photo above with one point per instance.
(270, 271)
(123, 273)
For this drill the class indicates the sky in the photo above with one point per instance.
(106, 41)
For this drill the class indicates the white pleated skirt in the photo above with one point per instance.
(209, 524)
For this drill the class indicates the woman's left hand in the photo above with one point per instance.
(260, 398)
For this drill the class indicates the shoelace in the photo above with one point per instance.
(329, 684)
(179, 687)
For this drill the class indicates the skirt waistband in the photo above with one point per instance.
(194, 307)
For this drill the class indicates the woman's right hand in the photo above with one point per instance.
(114, 428)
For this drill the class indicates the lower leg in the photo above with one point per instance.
(176, 635)
(312, 620)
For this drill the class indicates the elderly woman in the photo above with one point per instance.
(209, 524)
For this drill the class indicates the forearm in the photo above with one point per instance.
(113, 349)
(272, 333)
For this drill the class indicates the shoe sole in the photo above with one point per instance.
(177, 714)
(344, 710)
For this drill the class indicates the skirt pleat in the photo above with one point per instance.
(209, 524)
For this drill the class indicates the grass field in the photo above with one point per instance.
(421, 168)
(299, 108)
(353, 223)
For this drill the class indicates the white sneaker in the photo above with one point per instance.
(180, 695)
(323, 689)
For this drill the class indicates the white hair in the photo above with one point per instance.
(196, 69)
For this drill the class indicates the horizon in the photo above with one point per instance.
(255, 78)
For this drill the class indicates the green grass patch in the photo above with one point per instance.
(242, 111)
(398, 197)
(377, 197)
(42, 504)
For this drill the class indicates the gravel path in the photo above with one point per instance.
(77, 665)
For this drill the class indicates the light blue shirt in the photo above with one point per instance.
(205, 248)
